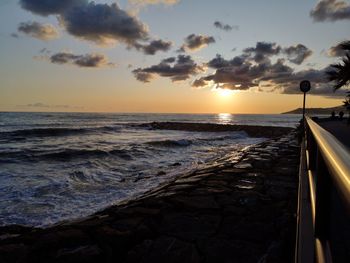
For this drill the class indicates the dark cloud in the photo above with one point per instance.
(297, 54)
(244, 73)
(330, 10)
(102, 24)
(195, 42)
(289, 84)
(225, 27)
(14, 35)
(339, 50)
(220, 62)
(169, 60)
(37, 30)
(45, 51)
(262, 51)
(180, 69)
(50, 7)
(154, 46)
(198, 83)
(265, 48)
(240, 77)
(87, 60)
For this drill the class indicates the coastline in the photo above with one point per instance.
(241, 209)
(251, 130)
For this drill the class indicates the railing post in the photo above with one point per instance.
(323, 198)
(312, 149)
(322, 210)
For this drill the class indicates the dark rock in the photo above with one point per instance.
(61, 238)
(189, 226)
(196, 202)
(165, 249)
(13, 253)
(223, 250)
(243, 166)
(79, 254)
(253, 231)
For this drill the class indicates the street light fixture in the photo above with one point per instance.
(305, 86)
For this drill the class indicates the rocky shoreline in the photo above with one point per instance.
(251, 130)
(235, 210)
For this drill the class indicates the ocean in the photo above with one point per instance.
(61, 166)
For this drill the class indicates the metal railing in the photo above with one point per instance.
(323, 229)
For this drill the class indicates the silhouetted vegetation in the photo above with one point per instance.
(340, 72)
(346, 104)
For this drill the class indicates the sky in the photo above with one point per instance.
(170, 56)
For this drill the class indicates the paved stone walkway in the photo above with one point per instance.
(232, 211)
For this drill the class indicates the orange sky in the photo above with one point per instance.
(33, 80)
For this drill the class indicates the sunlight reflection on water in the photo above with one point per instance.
(225, 118)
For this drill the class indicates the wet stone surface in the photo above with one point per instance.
(233, 211)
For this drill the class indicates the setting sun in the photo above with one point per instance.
(224, 92)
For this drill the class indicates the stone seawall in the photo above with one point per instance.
(251, 130)
(236, 210)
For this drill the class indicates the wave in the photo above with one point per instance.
(234, 136)
(65, 154)
(186, 142)
(75, 153)
(53, 132)
(171, 143)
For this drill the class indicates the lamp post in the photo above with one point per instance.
(305, 86)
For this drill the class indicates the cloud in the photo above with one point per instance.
(50, 7)
(38, 105)
(330, 10)
(40, 31)
(225, 27)
(154, 46)
(265, 48)
(103, 24)
(180, 68)
(195, 42)
(339, 50)
(262, 51)
(199, 83)
(93, 60)
(244, 72)
(44, 105)
(220, 62)
(153, 2)
(297, 54)
(45, 51)
(242, 76)
(253, 69)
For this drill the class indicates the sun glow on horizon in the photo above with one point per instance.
(224, 93)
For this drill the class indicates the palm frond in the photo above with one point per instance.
(345, 45)
(339, 73)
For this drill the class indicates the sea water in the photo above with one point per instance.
(59, 166)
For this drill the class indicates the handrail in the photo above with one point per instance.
(323, 196)
(336, 156)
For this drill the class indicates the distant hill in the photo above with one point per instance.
(326, 111)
